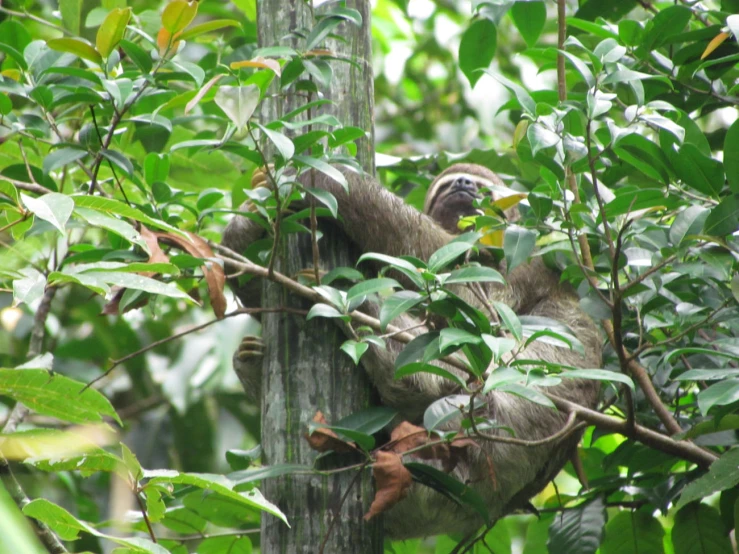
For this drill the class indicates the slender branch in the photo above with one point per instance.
(119, 361)
(25, 15)
(570, 426)
(637, 371)
(142, 508)
(29, 187)
(699, 325)
(682, 449)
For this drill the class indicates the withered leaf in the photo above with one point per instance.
(215, 277)
(392, 480)
(323, 440)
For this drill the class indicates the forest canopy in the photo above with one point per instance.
(132, 130)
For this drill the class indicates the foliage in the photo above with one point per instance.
(129, 133)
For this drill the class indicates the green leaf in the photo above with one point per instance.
(371, 286)
(320, 31)
(403, 266)
(518, 244)
(629, 532)
(60, 520)
(55, 395)
(698, 529)
(217, 484)
(581, 67)
(242, 459)
(529, 19)
(178, 14)
(77, 47)
(324, 310)
(626, 76)
(221, 545)
(578, 530)
(345, 134)
(698, 171)
(449, 487)
(138, 55)
(67, 527)
(446, 409)
(208, 198)
(325, 198)
(113, 224)
(30, 287)
(529, 393)
(420, 367)
(156, 167)
(688, 222)
(354, 350)
(71, 11)
(722, 475)
(125, 280)
(238, 103)
(452, 337)
(397, 304)
(598, 375)
(731, 157)
(724, 218)
(368, 421)
(118, 159)
(475, 274)
(719, 394)
(6, 104)
(53, 207)
(668, 22)
(510, 320)
(477, 48)
(208, 27)
(49, 450)
(14, 34)
(324, 168)
(112, 206)
(284, 145)
(498, 345)
(540, 137)
(422, 348)
(61, 157)
(447, 254)
(112, 30)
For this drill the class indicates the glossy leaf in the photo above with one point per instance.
(112, 30)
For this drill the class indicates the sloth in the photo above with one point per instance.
(505, 475)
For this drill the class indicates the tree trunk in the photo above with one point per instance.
(304, 370)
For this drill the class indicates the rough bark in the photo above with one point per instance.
(304, 370)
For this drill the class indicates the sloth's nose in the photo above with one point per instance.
(465, 184)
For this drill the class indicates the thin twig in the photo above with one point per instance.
(25, 15)
(142, 508)
(240, 311)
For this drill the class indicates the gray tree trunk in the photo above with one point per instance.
(304, 370)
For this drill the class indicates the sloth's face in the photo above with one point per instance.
(452, 195)
(453, 198)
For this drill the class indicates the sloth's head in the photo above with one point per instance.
(452, 194)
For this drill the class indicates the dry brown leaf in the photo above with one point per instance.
(259, 62)
(157, 254)
(407, 436)
(213, 272)
(323, 440)
(392, 481)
